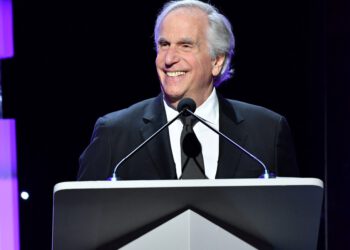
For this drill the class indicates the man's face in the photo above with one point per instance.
(184, 64)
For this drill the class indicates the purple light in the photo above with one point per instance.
(9, 224)
(6, 33)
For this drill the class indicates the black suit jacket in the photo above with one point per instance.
(262, 132)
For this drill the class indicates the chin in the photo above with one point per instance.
(172, 92)
(172, 97)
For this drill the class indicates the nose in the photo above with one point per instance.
(171, 57)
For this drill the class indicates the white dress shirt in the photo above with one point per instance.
(209, 140)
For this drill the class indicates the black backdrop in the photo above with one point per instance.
(77, 60)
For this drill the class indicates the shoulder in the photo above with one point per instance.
(126, 116)
(244, 110)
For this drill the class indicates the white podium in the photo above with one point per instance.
(281, 213)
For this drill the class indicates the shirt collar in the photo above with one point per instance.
(209, 110)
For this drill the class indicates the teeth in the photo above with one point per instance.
(175, 73)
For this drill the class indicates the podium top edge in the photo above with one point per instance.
(279, 181)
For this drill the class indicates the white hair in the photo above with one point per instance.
(220, 37)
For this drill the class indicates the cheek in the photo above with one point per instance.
(158, 60)
(205, 67)
(159, 64)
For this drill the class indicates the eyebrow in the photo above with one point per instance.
(162, 40)
(186, 41)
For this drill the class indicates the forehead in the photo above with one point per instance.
(184, 21)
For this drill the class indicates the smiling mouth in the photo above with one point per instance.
(175, 73)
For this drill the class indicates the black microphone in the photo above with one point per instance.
(186, 105)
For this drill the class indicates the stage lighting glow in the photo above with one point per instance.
(9, 224)
(6, 29)
(24, 195)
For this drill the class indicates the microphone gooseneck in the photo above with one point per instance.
(186, 107)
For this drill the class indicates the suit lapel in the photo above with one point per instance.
(230, 123)
(159, 148)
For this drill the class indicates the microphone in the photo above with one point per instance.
(187, 109)
(183, 107)
(186, 104)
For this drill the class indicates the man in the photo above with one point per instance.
(194, 49)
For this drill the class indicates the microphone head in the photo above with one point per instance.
(186, 103)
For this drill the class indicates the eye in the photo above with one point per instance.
(163, 44)
(186, 46)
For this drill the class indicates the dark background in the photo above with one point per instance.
(77, 60)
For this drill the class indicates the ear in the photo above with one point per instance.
(217, 64)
